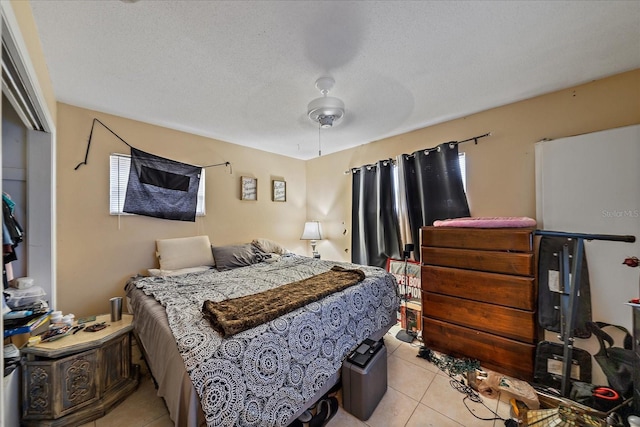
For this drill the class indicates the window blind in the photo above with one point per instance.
(119, 165)
(462, 161)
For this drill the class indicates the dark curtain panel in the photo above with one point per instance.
(376, 233)
(434, 188)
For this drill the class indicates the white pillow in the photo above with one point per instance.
(159, 273)
(184, 252)
(269, 246)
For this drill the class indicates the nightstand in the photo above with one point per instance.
(79, 377)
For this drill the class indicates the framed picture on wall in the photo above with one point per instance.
(248, 188)
(279, 190)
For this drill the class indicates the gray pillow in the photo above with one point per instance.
(234, 256)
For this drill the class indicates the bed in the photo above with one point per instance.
(266, 375)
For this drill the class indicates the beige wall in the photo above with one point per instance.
(97, 252)
(500, 169)
(24, 18)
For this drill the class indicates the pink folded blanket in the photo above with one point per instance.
(488, 222)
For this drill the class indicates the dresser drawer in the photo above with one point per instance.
(520, 264)
(494, 319)
(490, 239)
(502, 289)
(502, 355)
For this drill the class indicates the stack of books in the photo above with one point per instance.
(28, 325)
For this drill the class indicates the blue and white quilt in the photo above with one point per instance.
(266, 375)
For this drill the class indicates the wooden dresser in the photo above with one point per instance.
(479, 296)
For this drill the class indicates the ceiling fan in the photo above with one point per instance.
(325, 110)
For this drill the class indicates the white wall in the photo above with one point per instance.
(591, 184)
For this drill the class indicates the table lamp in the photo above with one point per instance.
(312, 231)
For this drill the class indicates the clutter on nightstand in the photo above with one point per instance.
(21, 282)
(20, 298)
(25, 310)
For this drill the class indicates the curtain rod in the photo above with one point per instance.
(611, 237)
(371, 165)
(86, 156)
(474, 139)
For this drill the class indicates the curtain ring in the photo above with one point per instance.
(452, 144)
(368, 167)
(439, 149)
(426, 152)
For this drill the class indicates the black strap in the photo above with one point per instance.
(596, 329)
(96, 120)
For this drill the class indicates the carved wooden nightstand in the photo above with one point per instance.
(80, 377)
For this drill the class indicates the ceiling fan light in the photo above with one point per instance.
(326, 106)
(326, 121)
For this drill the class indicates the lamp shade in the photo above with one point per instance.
(312, 231)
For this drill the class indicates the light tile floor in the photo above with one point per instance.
(418, 395)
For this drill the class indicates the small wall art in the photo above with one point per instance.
(279, 191)
(248, 188)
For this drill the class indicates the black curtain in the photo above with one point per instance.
(434, 188)
(376, 233)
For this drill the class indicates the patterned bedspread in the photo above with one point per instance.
(264, 375)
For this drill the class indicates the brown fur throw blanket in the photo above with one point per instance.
(239, 314)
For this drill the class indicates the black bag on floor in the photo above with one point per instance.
(616, 362)
(549, 367)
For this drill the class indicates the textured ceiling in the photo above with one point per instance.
(244, 71)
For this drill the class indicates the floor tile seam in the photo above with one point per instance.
(412, 412)
(390, 352)
(155, 419)
(412, 363)
(421, 363)
(444, 415)
(461, 402)
(427, 389)
(404, 394)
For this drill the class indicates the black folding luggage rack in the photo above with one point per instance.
(570, 295)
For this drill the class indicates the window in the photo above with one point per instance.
(119, 178)
(401, 204)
